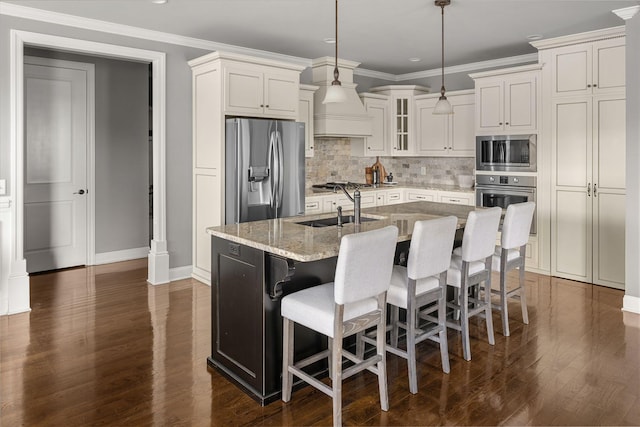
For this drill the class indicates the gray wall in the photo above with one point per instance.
(121, 150)
(178, 120)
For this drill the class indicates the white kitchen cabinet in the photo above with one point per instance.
(390, 197)
(446, 135)
(403, 132)
(506, 100)
(456, 197)
(255, 90)
(228, 84)
(378, 144)
(588, 189)
(305, 115)
(367, 200)
(588, 68)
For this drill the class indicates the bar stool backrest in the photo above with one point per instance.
(431, 246)
(364, 266)
(517, 225)
(480, 232)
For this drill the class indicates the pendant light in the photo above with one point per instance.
(442, 106)
(335, 92)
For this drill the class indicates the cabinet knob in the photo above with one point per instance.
(588, 85)
(262, 105)
(500, 123)
(595, 85)
(507, 123)
(368, 148)
(311, 147)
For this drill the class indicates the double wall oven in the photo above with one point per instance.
(506, 171)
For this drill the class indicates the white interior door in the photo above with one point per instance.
(55, 181)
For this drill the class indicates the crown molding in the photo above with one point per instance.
(626, 12)
(464, 68)
(589, 36)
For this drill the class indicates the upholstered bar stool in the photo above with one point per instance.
(354, 301)
(421, 283)
(470, 267)
(511, 255)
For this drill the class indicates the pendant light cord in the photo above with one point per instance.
(336, 74)
(442, 38)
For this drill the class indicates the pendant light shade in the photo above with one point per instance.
(335, 92)
(443, 106)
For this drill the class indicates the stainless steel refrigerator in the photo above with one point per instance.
(264, 173)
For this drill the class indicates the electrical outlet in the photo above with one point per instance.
(3, 187)
(423, 170)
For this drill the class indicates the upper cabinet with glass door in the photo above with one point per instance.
(403, 137)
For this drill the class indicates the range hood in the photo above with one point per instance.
(338, 120)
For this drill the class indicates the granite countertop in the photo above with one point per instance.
(287, 238)
(438, 187)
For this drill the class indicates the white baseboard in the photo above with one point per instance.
(123, 255)
(179, 273)
(631, 304)
(201, 275)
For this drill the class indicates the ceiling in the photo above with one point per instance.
(380, 34)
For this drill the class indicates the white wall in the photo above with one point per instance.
(632, 273)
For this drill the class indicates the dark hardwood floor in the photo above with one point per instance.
(101, 347)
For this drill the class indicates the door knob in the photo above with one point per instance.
(79, 192)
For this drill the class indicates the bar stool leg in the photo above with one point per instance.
(442, 322)
(287, 359)
(523, 291)
(504, 312)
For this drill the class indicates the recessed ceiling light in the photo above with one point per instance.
(415, 59)
(158, 1)
(329, 40)
(533, 37)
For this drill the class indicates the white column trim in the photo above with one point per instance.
(18, 281)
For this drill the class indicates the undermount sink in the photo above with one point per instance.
(328, 222)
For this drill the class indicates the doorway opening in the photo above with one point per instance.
(158, 256)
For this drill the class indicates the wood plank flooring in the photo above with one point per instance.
(102, 347)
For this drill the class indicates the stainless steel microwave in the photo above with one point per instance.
(512, 153)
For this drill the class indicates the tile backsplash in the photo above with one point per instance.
(332, 161)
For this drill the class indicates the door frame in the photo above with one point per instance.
(158, 260)
(90, 250)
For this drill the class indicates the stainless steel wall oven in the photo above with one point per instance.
(509, 153)
(503, 190)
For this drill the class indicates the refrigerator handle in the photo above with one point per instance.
(239, 172)
(272, 168)
(280, 175)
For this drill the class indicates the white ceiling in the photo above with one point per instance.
(380, 34)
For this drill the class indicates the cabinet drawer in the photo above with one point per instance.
(461, 199)
(312, 206)
(427, 196)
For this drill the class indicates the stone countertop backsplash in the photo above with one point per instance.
(332, 161)
(438, 187)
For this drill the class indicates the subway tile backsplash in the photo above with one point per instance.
(332, 161)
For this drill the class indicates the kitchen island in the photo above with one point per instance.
(255, 264)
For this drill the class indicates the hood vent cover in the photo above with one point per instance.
(338, 120)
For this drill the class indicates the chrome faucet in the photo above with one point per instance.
(339, 216)
(356, 202)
